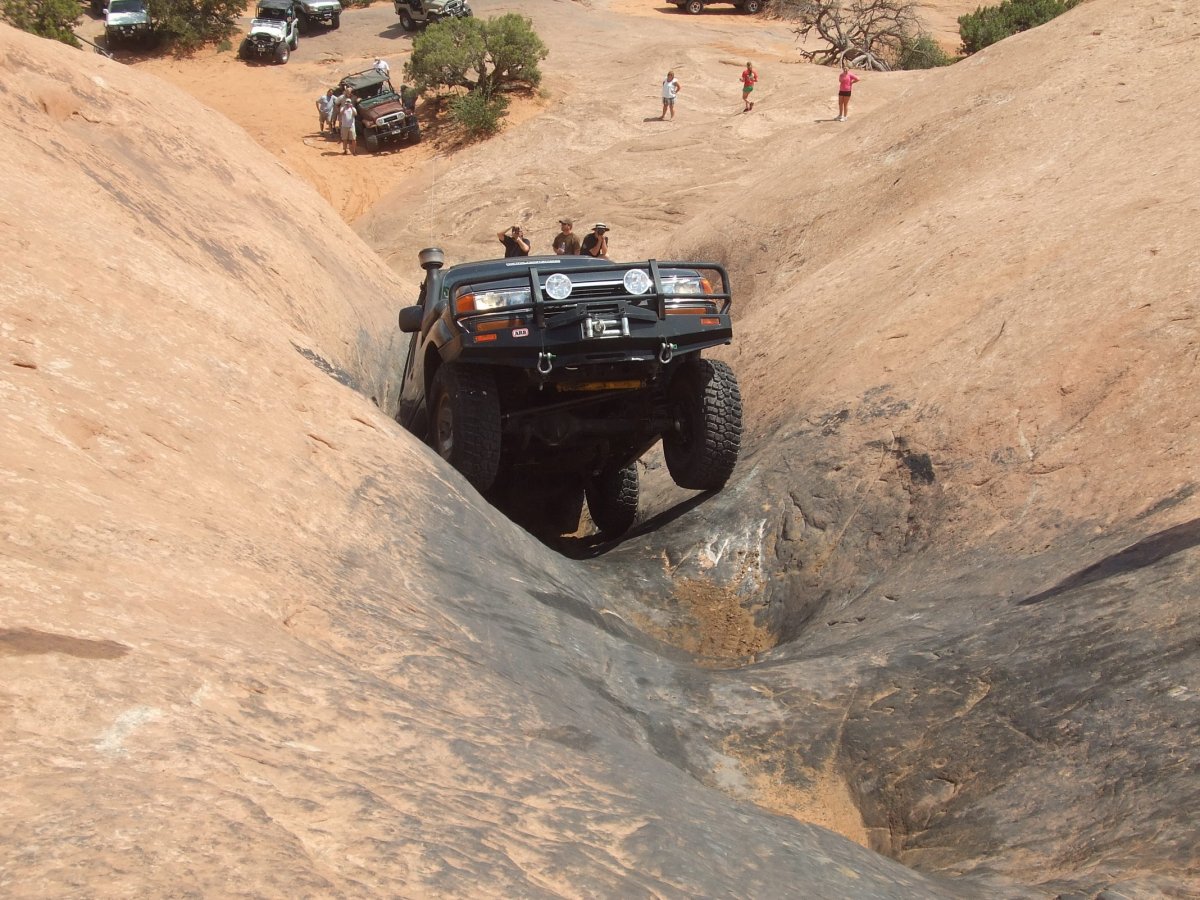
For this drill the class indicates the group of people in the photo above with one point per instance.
(337, 115)
(565, 243)
(749, 78)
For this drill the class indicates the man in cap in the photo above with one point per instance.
(596, 243)
(566, 242)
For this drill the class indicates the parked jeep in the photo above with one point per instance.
(383, 116)
(325, 12)
(126, 22)
(697, 6)
(543, 379)
(274, 32)
(416, 14)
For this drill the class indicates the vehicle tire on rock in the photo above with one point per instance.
(407, 23)
(612, 499)
(281, 54)
(337, 21)
(370, 141)
(295, 43)
(694, 6)
(244, 50)
(702, 449)
(464, 421)
(752, 6)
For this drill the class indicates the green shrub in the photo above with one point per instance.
(478, 114)
(188, 24)
(52, 19)
(489, 56)
(922, 52)
(989, 24)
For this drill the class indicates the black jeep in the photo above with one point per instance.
(382, 116)
(543, 379)
(697, 6)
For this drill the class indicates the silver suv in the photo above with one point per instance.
(325, 12)
(126, 21)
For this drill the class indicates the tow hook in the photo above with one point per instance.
(544, 363)
(666, 352)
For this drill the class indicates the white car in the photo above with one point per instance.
(126, 21)
(274, 32)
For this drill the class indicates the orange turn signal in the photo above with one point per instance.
(484, 338)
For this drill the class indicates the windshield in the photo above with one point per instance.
(277, 14)
(126, 6)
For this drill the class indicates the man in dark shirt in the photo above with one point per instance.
(596, 243)
(514, 241)
(566, 242)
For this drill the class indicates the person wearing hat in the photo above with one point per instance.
(596, 243)
(382, 67)
(566, 242)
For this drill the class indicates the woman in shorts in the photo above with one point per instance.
(845, 82)
(749, 79)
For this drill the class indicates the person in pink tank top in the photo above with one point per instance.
(845, 82)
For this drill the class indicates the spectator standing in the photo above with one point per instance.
(346, 122)
(845, 82)
(325, 105)
(382, 67)
(670, 90)
(749, 80)
(596, 243)
(566, 242)
(514, 241)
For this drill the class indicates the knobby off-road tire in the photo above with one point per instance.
(337, 21)
(282, 53)
(244, 50)
(464, 422)
(407, 23)
(295, 42)
(707, 404)
(612, 499)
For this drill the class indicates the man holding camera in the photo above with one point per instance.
(514, 241)
(596, 243)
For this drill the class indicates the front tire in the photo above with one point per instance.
(337, 21)
(282, 54)
(407, 23)
(694, 6)
(702, 449)
(612, 499)
(464, 422)
(752, 6)
(244, 50)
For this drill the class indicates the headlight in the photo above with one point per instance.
(636, 281)
(486, 300)
(558, 286)
(686, 286)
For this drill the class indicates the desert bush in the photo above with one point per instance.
(485, 56)
(989, 24)
(922, 52)
(188, 24)
(479, 115)
(870, 34)
(52, 19)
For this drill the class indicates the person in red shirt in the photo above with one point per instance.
(845, 82)
(749, 79)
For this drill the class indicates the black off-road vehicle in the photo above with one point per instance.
(543, 379)
(383, 116)
(416, 14)
(697, 6)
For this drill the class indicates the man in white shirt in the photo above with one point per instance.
(382, 67)
(670, 89)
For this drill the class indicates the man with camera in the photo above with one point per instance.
(514, 241)
(596, 243)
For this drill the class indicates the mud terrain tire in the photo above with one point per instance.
(282, 53)
(612, 499)
(464, 422)
(707, 404)
(407, 23)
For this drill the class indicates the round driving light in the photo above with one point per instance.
(636, 281)
(558, 286)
